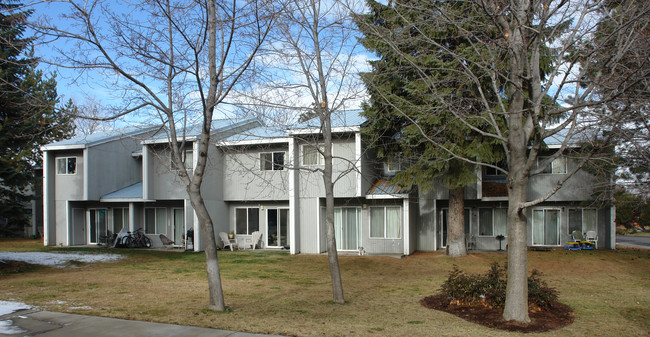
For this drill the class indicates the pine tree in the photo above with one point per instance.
(29, 117)
(408, 117)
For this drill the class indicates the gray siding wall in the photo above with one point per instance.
(164, 183)
(112, 167)
(578, 187)
(244, 180)
(69, 186)
(425, 229)
(309, 226)
(311, 183)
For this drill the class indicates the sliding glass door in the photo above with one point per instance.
(546, 227)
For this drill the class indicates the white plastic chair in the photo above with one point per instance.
(226, 241)
(255, 238)
(593, 237)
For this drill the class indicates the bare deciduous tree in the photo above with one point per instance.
(311, 72)
(530, 100)
(173, 61)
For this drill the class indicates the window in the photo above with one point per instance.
(347, 228)
(272, 161)
(494, 171)
(155, 221)
(385, 222)
(67, 165)
(247, 220)
(557, 166)
(582, 220)
(493, 221)
(187, 156)
(546, 227)
(312, 155)
(120, 219)
(393, 164)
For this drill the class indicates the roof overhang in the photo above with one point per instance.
(63, 147)
(314, 130)
(278, 140)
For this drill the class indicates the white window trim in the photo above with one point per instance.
(66, 166)
(248, 231)
(582, 218)
(401, 225)
(273, 153)
(479, 222)
(155, 221)
(321, 157)
(559, 225)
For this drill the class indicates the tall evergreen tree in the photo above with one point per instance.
(409, 119)
(29, 117)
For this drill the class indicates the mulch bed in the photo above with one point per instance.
(7, 267)
(556, 317)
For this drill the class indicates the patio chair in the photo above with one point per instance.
(592, 237)
(226, 241)
(255, 238)
(577, 236)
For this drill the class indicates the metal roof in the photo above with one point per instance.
(386, 188)
(101, 137)
(131, 192)
(340, 119)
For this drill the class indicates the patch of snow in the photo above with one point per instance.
(57, 259)
(7, 328)
(8, 307)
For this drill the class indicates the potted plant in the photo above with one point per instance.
(231, 235)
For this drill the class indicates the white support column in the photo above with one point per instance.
(198, 235)
(68, 223)
(293, 205)
(318, 225)
(47, 176)
(407, 227)
(131, 217)
(357, 162)
(145, 172)
(85, 173)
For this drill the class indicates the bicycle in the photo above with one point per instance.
(136, 239)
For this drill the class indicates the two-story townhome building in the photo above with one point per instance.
(96, 185)
(268, 179)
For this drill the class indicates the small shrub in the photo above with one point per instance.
(489, 289)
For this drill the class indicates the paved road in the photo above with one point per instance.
(633, 241)
(55, 324)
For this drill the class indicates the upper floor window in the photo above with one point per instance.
(273, 161)
(187, 156)
(66, 165)
(494, 171)
(393, 164)
(312, 155)
(557, 166)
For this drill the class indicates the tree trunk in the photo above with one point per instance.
(210, 247)
(516, 306)
(456, 228)
(332, 254)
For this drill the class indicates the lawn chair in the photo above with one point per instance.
(575, 243)
(592, 238)
(226, 241)
(255, 238)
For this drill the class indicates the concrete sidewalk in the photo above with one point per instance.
(54, 324)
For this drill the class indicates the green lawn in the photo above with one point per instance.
(278, 293)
